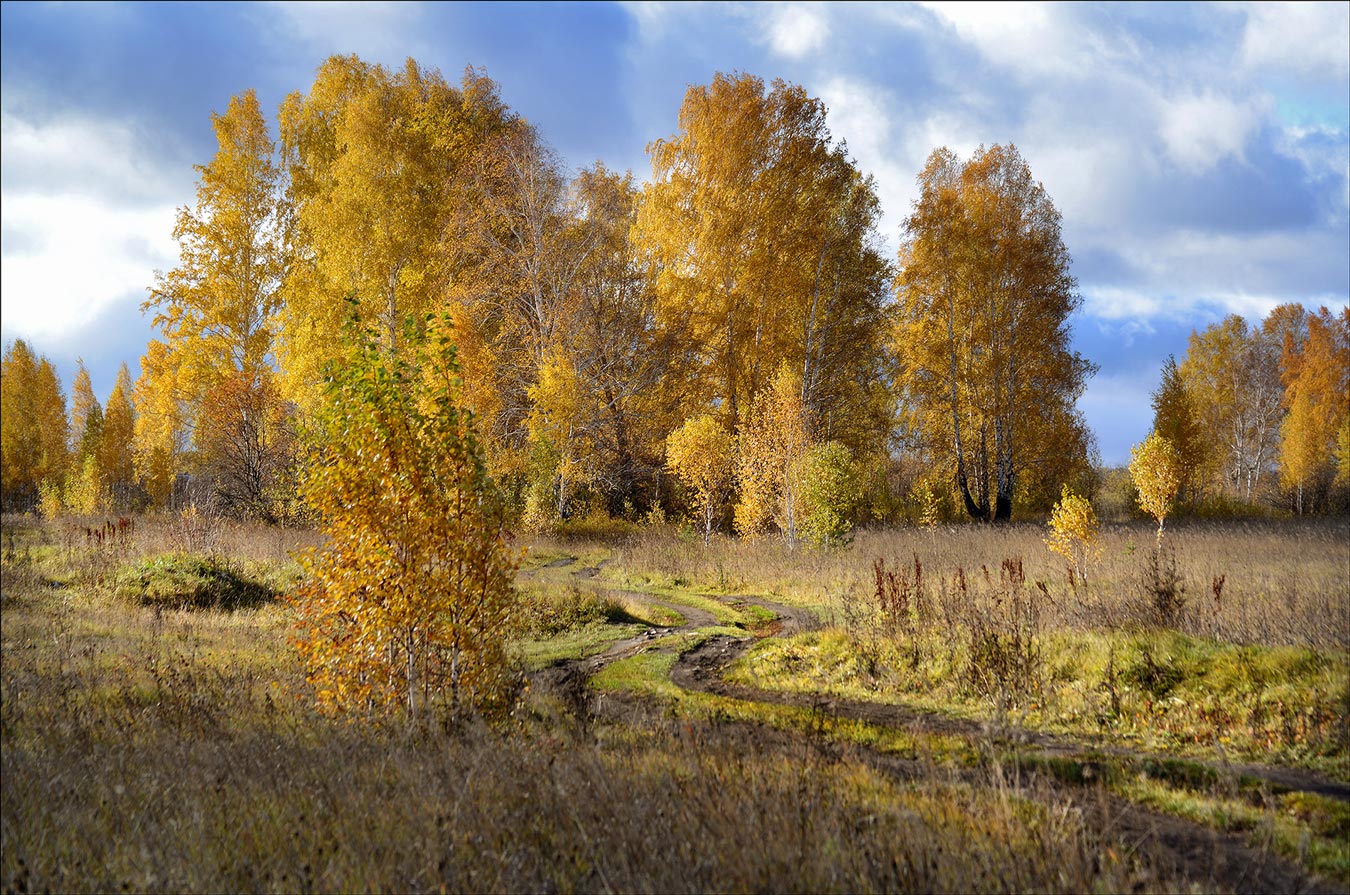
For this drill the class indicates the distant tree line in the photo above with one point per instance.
(724, 340)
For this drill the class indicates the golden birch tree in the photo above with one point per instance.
(1232, 372)
(375, 162)
(771, 450)
(762, 236)
(33, 427)
(700, 453)
(217, 311)
(985, 296)
(1155, 469)
(409, 602)
(116, 463)
(161, 441)
(1317, 396)
(1175, 418)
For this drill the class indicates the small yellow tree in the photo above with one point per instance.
(1074, 533)
(410, 601)
(699, 453)
(772, 450)
(1156, 471)
(829, 478)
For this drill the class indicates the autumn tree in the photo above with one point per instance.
(1155, 469)
(84, 432)
(246, 437)
(375, 162)
(1316, 378)
(985, 296)
(115, 458)
(33, 427)
(771, 450)
(409, 601)
(217, 310)
(1232, 373)
(633, 366)
(1175, 418)
(700, 454)
(162, 437)
(762, 236)
(1074, 532)
(557, 423)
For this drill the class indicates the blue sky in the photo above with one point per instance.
(1199, 154)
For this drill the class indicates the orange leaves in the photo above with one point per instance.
(410, 601)
(985, 297)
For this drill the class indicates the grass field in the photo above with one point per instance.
(962, 718)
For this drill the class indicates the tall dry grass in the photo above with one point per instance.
(163, 750)
(1272, 583)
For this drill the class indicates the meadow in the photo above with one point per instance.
(942, 709)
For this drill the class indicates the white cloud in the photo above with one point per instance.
(84, 254)
(797, 29)
(88, 213)
(859, 113)
(1187, 274)
(79, 155)
(384, 32)
(1200, 129)
(1028, 38)
(1305, 38)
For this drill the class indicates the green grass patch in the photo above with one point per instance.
(1311, 829)
(576, 643)
(1159, 690)
(546, 612)
(182, 581)
(648, 674)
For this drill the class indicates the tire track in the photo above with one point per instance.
(1209, 857)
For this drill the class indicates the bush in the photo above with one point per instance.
(830, 493)
(182, 581)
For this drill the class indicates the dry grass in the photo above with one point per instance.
(167, 751)
(150, 748)
(1283, 583)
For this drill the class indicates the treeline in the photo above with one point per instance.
(1260, 414)
(725, 340)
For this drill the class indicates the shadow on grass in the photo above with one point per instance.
(180, 581)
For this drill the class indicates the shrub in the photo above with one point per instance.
(182, 581)
(829, 493)
(410, 600)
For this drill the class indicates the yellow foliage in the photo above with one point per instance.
(771, 450)
(1156, 471)
(1074, 532)
(33, 426)
(700, 454)
(85, 493)
(410, 601)
(988, 376)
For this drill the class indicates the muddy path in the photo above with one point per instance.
(1228, 861)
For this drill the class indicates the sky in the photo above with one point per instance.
(1199, 154)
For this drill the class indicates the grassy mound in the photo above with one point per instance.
(182, 581)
